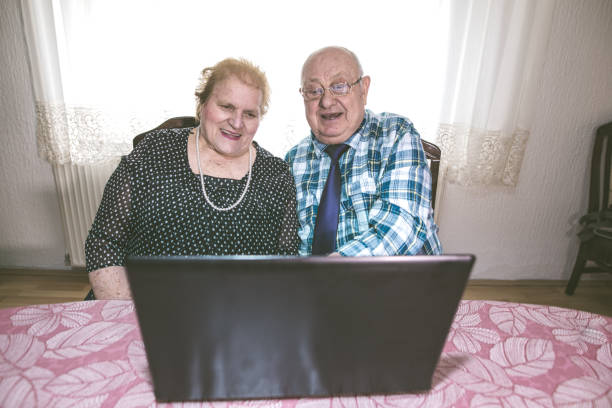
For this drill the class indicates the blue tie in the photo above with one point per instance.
(326, 227)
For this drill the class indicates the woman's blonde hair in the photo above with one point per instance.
(242, 69)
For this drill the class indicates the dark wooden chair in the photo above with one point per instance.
(596, 247)
(433, 154)
(172, 123)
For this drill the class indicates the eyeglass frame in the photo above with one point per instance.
(350, 89)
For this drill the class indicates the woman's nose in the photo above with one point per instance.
(236, 120)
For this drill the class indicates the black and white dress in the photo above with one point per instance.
(153, 205)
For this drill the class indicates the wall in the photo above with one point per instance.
(30, 225)
(524, 232)
(529, 231)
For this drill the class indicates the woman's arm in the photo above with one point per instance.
(105, 246)
(110, 283)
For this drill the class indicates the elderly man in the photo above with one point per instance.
(363, 183)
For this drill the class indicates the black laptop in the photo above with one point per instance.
(219, 328)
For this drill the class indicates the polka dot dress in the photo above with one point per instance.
(153, 205)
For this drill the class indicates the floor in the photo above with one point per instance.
(591, 295)
(20, 287)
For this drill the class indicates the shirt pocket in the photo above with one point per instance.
(364, 184)
(355, 213)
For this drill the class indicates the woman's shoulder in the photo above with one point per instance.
(158, 144)
(271, 167)
(270, 160)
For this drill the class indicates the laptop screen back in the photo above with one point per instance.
(218, 328)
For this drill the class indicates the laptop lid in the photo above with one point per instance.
(217, 328)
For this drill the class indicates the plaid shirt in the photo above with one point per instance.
(386, 188)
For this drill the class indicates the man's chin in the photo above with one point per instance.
(331, 138)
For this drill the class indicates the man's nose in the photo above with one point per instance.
(327, 99)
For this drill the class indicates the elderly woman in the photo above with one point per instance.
(208, 190)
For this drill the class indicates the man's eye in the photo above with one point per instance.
(315, 91)
(226, 107)
(340, 88)
(250, 115)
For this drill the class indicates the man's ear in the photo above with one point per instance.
(365, 86)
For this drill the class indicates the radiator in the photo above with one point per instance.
(79, 190)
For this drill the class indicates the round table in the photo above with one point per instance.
(497, 354)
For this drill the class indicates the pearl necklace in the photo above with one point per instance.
(202, 178)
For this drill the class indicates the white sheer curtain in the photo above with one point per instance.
(464, 71)
(106, 70)
(496, 53)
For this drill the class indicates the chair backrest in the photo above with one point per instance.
(432, 152)
(172, 123)
(599, 190)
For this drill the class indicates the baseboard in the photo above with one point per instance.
(68, 270)
(584, 281)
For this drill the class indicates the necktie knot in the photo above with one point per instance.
(335, 151)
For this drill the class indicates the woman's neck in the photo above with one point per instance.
(216, 164)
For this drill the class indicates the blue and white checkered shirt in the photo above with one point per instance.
(386, 190)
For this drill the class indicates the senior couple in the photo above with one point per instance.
(358, 185)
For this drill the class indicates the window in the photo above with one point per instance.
(138, 62)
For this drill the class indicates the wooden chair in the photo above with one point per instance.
(172, 123)
(433, 154)
(593, 246)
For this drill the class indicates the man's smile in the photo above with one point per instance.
(331, 116)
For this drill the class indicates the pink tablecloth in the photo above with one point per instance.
(90, 354)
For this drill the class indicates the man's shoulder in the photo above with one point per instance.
(300, 150)
(387, 121)
(386, 128)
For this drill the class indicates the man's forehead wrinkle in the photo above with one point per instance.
(329, 75)
(330, 69)
(339, 55)
(334, 55)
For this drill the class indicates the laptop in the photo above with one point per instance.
(250, 327)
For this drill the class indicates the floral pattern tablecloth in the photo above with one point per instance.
(497, 354)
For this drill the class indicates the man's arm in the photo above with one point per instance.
(288, 237)
(300, 154)
(399, 220)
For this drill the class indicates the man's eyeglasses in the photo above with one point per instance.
(339, 89)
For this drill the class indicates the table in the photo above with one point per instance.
(496, 354)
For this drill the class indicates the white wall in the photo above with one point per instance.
(529, 231)
(525, 232)
(30, 225)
